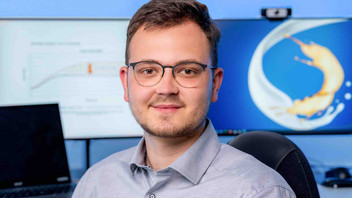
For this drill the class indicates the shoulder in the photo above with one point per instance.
(232, 160)
(120, 157)
(251, 175)
(104, 173)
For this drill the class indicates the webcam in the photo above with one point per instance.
(276, 14)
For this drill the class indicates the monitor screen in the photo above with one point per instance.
(74, 63)
(279, 76)
(288, 76)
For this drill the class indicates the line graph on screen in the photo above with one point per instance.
(61, 75)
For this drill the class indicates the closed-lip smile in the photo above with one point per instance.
(166, 107)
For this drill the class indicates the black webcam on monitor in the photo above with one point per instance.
(276, 14)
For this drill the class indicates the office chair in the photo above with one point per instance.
(279, 153)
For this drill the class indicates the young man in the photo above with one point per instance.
(170, 80)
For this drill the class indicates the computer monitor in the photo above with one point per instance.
(73, 62)
(291, 76)
(76, 62)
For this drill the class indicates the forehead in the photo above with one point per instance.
(185, 41)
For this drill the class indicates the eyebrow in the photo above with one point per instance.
(178, 62)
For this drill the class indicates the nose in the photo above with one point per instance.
(167, 84)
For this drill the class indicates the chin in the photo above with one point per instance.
(169, 129)
(169, 133)
(163, 128)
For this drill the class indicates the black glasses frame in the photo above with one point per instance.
(167, 66)
(172, 67)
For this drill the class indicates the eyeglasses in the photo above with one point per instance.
(186, 74)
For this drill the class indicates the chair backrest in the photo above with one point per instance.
(281, 154)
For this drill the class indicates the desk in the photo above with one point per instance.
(328, 192)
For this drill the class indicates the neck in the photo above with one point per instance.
(162, 151)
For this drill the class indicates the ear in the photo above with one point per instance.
(124, 81)
(217, 80)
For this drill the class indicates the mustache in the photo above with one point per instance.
(167, 100)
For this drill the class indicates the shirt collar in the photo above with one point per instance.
(137, 159)
(193, 163)
(196, 160)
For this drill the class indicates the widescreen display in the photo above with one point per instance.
(287, 76)
(290, 76)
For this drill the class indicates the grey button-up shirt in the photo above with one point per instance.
(207, 169)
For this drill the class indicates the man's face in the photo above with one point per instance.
(167, 109)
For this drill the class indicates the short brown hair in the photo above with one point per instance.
(168, 13)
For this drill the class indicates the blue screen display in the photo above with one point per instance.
(290, 76)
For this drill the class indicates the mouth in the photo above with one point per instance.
(166, 108)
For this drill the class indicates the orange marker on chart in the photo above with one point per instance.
(90, 71)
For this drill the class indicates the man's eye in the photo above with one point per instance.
(188, 72)
(148, 71)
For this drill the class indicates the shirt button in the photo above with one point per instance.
(152, 196)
